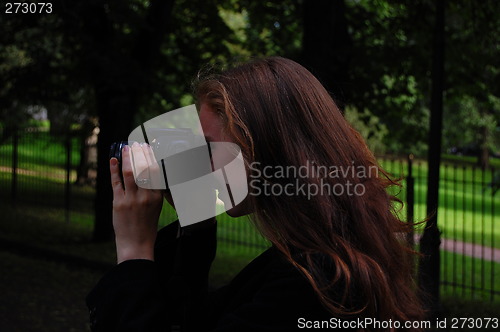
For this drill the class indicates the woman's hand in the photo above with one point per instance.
(135, 210)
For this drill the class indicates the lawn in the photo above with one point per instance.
(468, 211)
(479, 277)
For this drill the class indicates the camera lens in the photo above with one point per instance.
(116, 150)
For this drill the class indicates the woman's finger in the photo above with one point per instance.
(127, 169)
(140, 166)
(116, 181)
(155, 172)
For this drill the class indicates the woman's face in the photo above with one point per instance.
(213, 129)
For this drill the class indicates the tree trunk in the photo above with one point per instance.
(327, 46)
(120, 79)
(116, 110)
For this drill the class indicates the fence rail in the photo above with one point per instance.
(467, 218)
(36, 168)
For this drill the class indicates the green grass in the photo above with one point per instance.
(45, 228)
(468, 160)
(40, 153)
(467, 211)
(478, 276)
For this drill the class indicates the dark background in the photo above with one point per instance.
(392, 66)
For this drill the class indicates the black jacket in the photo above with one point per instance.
(170, 294)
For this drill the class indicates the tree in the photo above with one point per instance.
(34, 69)
(132, 59)
(136, 53)
(389, 72)
(327, 45)
(120, 67)
(472, 71)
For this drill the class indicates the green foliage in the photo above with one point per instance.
(370, 128)
(390, 67)
(272, 27)
(40, 73)
(45, 59)
(392, 43)
(465, 122)
(472, 69)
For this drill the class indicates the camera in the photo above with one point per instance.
(116, 150)
(197, 170)
(165, 143)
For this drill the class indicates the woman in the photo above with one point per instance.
(337, 254)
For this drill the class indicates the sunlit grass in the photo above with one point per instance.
(467, 277)
(467, 212)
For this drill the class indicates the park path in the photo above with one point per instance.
(471, 249)
(467, 249)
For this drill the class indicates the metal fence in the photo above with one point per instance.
(468, 219)
(36, 168)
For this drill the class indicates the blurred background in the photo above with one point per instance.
(418, 79)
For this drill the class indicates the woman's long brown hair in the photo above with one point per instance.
(349, 247)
